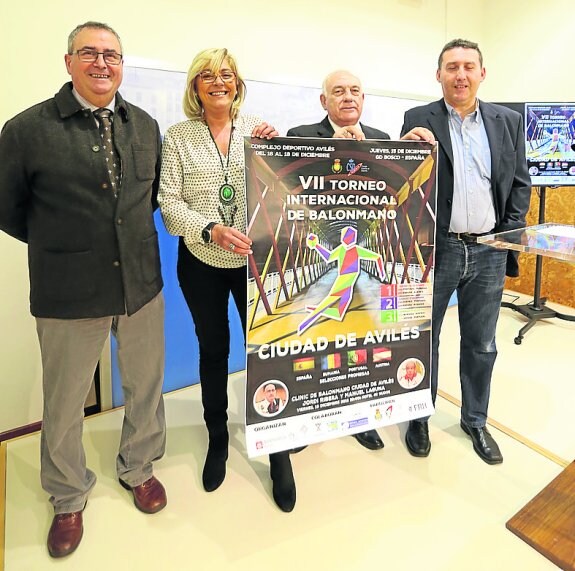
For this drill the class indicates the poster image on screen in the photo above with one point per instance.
(550, 143)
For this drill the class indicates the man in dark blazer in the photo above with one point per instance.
(272, 403)
(94, 267)
(326, 129)
(483, 187)
(342, 97)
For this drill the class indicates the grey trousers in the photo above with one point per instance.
(70, 351)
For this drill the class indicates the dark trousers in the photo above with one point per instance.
(207, 290)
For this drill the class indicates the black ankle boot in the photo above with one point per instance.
(283, 483)
(215, 466)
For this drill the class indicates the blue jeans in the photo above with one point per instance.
(477, 272)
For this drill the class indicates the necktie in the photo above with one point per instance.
(112, 158)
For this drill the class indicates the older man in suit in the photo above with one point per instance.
(483, 187)
(342, 97)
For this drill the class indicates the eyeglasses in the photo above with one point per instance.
(209, 77)
(88, 55)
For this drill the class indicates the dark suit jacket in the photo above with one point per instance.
(510, 180)
(325, 130)
(89, 254)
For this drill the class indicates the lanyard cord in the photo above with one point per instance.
(225, 169)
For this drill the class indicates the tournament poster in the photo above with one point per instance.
(550, 143)
(340, 287)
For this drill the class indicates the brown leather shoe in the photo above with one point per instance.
(65, 534)
(149, 497)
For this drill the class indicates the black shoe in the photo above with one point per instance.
(484, 444)
(370, 439)
(283, 483)
(215, 466)
(417, 438)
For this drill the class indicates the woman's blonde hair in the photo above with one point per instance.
(212, 60)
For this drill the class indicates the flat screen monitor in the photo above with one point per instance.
(550, 143)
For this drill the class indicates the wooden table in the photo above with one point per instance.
(547, 522)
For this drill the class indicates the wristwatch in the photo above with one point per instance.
(207, 232)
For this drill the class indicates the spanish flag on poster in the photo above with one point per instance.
(304, 364)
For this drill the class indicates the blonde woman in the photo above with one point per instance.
(203, 200)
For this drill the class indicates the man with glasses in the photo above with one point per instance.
(272, 403)
(78, 182)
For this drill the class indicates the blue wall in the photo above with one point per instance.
(181, 342)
